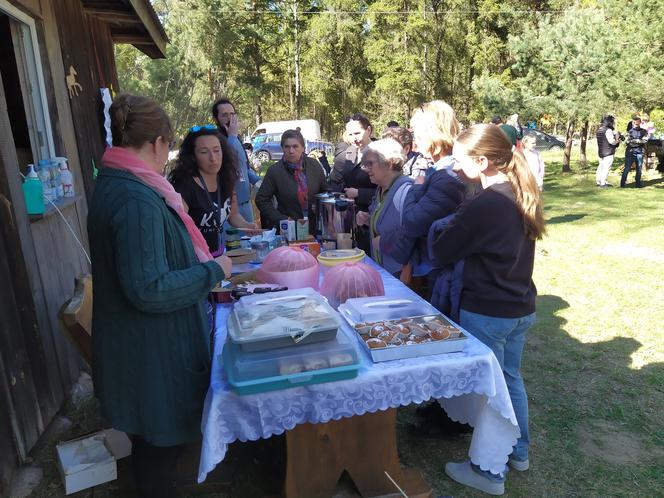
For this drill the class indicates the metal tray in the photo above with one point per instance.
(451, 345)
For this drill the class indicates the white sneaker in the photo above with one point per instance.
(464, 474)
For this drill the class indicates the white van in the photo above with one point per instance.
(310, 128)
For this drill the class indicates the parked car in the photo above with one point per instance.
(544, 141)
(267, 147)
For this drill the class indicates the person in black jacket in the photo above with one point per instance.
(636, 146)
(607, 142)
(349, 177)
(495, 233)
(294, 182)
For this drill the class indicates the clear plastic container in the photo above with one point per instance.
(375, 309)
(281, 319)
(351, 280)
(255, 372)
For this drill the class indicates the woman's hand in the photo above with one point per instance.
(226, 265)
(362, 218)
(351, 193)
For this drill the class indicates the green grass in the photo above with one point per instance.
(593, 365)
(594, 362)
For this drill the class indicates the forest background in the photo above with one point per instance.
(560, 63)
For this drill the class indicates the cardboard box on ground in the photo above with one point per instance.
(91, 459)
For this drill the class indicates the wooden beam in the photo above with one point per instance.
(133, 39)
(151, 22)
(110, 16)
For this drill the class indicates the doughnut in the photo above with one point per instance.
(403, 330)
(440, 334)
(377, 329)
(375, 343)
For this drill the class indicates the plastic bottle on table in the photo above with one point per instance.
(56, 179)
(44, 173)
(33, 192)
(66, 178)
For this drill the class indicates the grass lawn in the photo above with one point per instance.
(593, 365)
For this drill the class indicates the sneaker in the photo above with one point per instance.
(520, 465)
(604, 186)
(464, 474)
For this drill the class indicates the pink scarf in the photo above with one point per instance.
(126, 160)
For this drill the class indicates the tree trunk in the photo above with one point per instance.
(568, 146)
(583, 159)
(259, 113)
(298, 91)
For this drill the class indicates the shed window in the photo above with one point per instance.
(20, 68)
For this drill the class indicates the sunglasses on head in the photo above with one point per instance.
(196, 128)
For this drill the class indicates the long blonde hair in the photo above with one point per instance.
(436, 124)
(489, 141)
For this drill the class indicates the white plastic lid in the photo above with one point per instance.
(374, 309)
(293, 313)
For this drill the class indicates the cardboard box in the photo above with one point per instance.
(302, 229)
(287, 229)
(91, 459)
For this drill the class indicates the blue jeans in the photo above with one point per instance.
(506, 338)
(632, 156)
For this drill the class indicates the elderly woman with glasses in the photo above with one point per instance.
(205, 175)
(383, 161)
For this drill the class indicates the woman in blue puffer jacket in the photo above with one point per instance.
(434, 128)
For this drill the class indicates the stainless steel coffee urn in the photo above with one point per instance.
(336, 220)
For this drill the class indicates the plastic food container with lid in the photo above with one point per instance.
(334, 257)
(281, 319)
(250, 373)
(374, 309)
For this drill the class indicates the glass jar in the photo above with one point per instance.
(233, 237)
(262, 248)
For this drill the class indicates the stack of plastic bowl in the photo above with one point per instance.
(290, 266)
(350, 280)
(333, 257)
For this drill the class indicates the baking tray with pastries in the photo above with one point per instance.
(410, 337)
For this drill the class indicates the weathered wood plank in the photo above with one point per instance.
(8, 452)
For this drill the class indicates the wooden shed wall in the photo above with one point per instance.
(37, 363)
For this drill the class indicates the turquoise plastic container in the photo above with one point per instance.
(33, 192)
(295, 366)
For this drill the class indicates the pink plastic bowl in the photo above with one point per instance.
(288, 258)
(349, 280)
(290, 266)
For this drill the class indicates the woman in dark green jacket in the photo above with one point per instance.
(293, 182)
(152, 272)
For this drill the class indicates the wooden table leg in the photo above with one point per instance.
(364, 446)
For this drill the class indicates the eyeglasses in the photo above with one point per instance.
(196, 128)
(369, 164)
(171, 143)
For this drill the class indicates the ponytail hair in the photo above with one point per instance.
(489, 141)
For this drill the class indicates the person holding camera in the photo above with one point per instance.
(607, 141)
(636, 145)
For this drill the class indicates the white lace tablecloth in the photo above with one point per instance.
(469, 385)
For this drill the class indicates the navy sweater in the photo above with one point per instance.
(488, 232)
